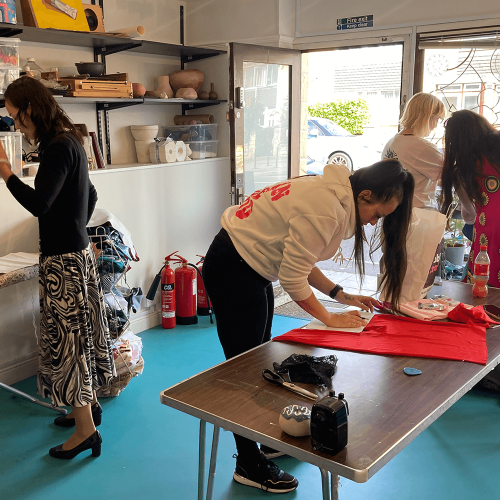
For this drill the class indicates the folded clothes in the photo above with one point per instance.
(388, 334)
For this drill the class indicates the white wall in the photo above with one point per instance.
(320, 16)
(165, 208)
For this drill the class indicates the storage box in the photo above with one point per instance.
(12, 142)
(200, 132)
(9, 51)
(7, 76)
(202, 149)
(8, 11)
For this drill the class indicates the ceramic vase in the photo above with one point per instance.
(212, 95)
(164, 86)
(186, 78)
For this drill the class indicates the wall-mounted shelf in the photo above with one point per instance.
(104, 45)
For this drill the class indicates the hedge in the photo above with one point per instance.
(351, 115)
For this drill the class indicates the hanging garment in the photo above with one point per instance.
(387, 334)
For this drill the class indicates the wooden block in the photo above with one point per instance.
(29, 18)
(94, 16)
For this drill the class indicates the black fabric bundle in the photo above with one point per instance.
(308, 369)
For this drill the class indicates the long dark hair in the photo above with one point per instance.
(47, 116)
(386, 179)
(469, 138)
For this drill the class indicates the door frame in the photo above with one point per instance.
(238, 53)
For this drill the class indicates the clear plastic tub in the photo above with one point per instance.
(200, 132)
(7, 76)
(202, 149)
(9, 51)
(12, 142)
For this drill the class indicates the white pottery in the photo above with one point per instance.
(142, 150)
(144, 132)
(295, 420)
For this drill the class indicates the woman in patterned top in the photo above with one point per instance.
(472, 168)
(74, 344)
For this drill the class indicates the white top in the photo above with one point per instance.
(423, 160)
(282, 231)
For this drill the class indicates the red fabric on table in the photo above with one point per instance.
(388, 334)
(464, 314)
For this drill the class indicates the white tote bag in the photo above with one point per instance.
(423, 247)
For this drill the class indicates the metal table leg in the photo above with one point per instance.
(330, 490)
(201, 459)
(213, 462)
(31, 398)
(335, 479)
(325, 484)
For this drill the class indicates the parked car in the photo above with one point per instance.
(328, 142)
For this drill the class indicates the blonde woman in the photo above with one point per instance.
(419, 156)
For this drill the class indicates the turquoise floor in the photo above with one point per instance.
(150, 451)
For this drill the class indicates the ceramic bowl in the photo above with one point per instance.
(186, 78)
(144, 132)
(90, 68)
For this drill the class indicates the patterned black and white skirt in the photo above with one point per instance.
(75, 348)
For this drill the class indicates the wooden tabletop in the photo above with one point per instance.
(387, 408)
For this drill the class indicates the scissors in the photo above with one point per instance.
(276, 378)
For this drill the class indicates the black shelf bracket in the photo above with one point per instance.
(187, 107)
(5, 32)
(114, 49)
(109, 106)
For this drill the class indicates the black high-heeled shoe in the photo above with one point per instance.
(64, 421)
(93, 442)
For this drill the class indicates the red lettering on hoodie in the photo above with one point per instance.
(277, 192)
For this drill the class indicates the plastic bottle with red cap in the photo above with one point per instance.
(481, 273)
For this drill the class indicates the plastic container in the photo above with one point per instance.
(481, 273)
(7, 76)
(202, 149)
(8, 11)
(199, 132)
(33, 69)
(9, 51)
(13, 145)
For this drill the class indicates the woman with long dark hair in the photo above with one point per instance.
(472, 168)
(280, 233)
(74, 344)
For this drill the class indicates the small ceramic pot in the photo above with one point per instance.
(295, 420)
(186, 93)
(203, 95)
(138, 89)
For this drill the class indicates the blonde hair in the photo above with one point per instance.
(419, 110)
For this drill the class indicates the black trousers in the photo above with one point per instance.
(243, 303)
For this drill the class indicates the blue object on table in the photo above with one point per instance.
(412, 371)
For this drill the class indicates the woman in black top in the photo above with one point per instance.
(75, 350)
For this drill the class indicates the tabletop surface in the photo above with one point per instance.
(387, 408)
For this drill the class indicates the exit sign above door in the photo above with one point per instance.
(349, 23)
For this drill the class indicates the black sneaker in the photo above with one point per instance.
(264, 475)
(271, 453)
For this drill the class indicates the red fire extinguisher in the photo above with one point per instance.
(203, 307)
(168, 294)
(185, 293)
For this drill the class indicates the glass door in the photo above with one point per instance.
(264, 117)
